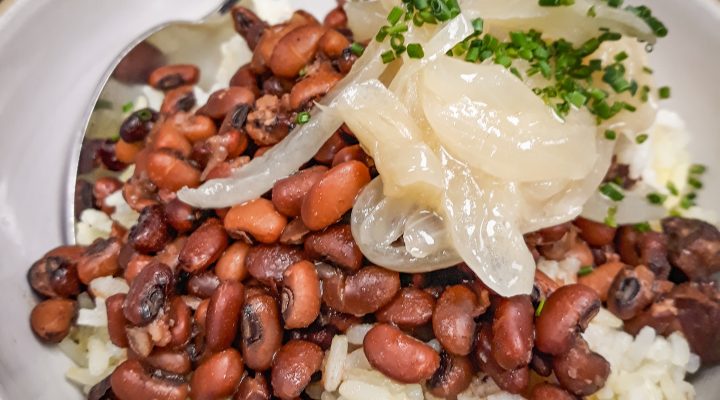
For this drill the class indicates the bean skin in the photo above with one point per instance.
(99, 259)
(398, 355)
(180, 322)
(294, 232)
(336, 18)
(548, 391)
(182, 217)
(349, 153)
(203, 285)
(595, 233)
(51, 319)
(194, 128)
(116, 320)
(127, 152)
(138, 64)
(136, 264)
(171, 76)
(329, 149)
(266, 263)
(334, 194)
(218, 376)
(513, 332)
(204, 246)
(171, 173)
(182, 98)
(601, 278)
(293, 368)
(246, 78)
(151, 232)
(223, 315)
(312, 87)
(130, 381)
(253, 388)
(172, 361)
(231, 264)
(365, 292)
(332, 43)
(260, 330)
(410, 308)
(221, 102)
(565, 313)
(248, 25)
(288, 193)
(452, 377)
(514, 381)
(55, 276)
(169, 138)
(103, 188)
(580, 370)
(335, 245)
(453, 320)
(148, 294)
(631, 292)
(257, 218)
(295, 50)
(300, 297)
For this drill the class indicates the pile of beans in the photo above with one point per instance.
(242, 302)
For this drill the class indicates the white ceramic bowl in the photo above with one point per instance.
(53, 53)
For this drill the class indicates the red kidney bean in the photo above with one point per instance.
(398, 355)
(138, 125)
(116, 320)
(336, 18)
(172, 76)
(565, 313)
(410, 308)
(334, 194)
(231, 264)
(365, 292)
(221, 102)
(218, 376)
(329, 149)
(203, 247)
(99, 259)
(313, 87)
(172, 361)
(601, 278)
(288, 193)
(181, 216)
(580, 370)
(595, 233)
(548, 391)
(257, 218)
(253, 388)
(293, 368)
(51, 319)
(131, 381)
(453, 320)
(151, 232)
(148, 294)
(260, 330)
(349, 153)
(631, 292)
(266, 263)
(336, 245)
(332, 43)
(294, 232)
(105, 153)
(181, 98)
(203, 285)
(169, 172)
(513, 332)
(300, 296)
(514, 381)
(223, 315)
(648, 248)
(452, 377)
(295, 50)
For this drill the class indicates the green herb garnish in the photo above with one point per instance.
(612, 191)
(586, 270)
(303, 118)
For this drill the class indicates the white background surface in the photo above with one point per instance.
(53, 53)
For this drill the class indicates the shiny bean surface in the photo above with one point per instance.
(293, 368)
(172, 361)
(295, 50)
(266, 263)
(99, 259)
(130, 381)
(513, 332)
(452, 377)
(257, 218)
(365, 292)
(204, 246)
(453, 320)
(151, 232)
(223, 315)
(567, 312)
(410, 308)
(601, 278)
(116, 320)
(300, 296)
(253, 388)
(580, 370)
(333, 195)
(231, 264)
(288, 193)
(218, 376)
(171, 76)
(398, 355)
(169, 172)
(148, 293)
(335, 245)
(221, 102)
(50, 320)
(261, 332)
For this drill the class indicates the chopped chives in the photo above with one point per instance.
(127, 107)
(586, 270)
(388, 57)
(694, 182)
(420, 4)
(656, 198)
(615, 3)
(477, 24)
(612, 191)
(576, 98)
(642, 227)
(555, 3)
(303, 118)
(610, 134)
(395, 15)
(647, 70)
(591, 12)
(415, 50)
(640, 139)
(697, 169)
(539, 308)
(357, 49)
(672, 188)
(621, 56)
(664, 92)
(686, 202)
(610, 218)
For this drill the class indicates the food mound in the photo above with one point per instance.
(408, 200)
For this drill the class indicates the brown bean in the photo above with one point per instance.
(193, 127)
(136, 66)
(452, 377)
(181, 98)
(203, 285)
(335, 245)
(151, 232)
(334, 194)
(365, 292)
(266, 263)
(218, 376)
(543, 286)
(601, 278)
(541, 363)
(514, 381)
(295, 50)
(300, 296)
(231, 264)
(595, 233)
(223, 315)
(312, 87)
(51, 319)
(253, 388)
(171, 253)
(172, 361)
(55, 276)
(548, 391)
(349, 153)
(410, 308)
(293, 368)
(180, 322)
(69, 252)
(580, 370)
(221, 102)
(201, 314)
(294, 232)
(101, 390)
(116, 320)
(169, 172)
(567, 312)
(553, 234)
(246, 78)
(182, 217)
(148, 294)
(131, 381)
(398, 355)
(288, 193)
(135, 265)
(169, 138)
(260, 331)
(332, 43)
(104, 187)
(127, 152)
(513, 332)
(336, 18)
(99, 259)
(316, 333)
(631, 292)
(329, 149)
(453, 320)
(257, 218)
(204, 246)
(171, 76)
(248, 25)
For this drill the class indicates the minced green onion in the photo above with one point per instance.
(612, 191)
(357, 49)
(686, 202)
(415, 50)
(694, 182)
(642, 227)
(591, 12)
(672, 188)
(397, 42)
(640, 139)
(539, 308)
(103, 104)
(127, 107)
(555, 3)
(388, 57)
(697, 169)
(303, 117)
(647, 70)
(477, 24)
(395, 15)
(586, 270)
(664, 92)
(610, 218)
(621, 56)
(610, 134)
(615, 3)
(656, 198)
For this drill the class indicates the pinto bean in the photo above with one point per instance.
(172, 76)
(514, 381)
(288, 193)
(116, 320)
(51, 319)
(194, 128)
(513, 332)
(332, 43)
(169, 138)
(452, 377)
(151, 232)
(365, 292)
(565, 313)
(148, 294)
(410, 308)
(333, 195)
(595, 233)
(223, 315)
(131, 381)
(294, 232)
(336, 245)
(181, 98)
(312, 87)
(293, 368)
(266, 263)
(336, 18)
(180, 322)
(354, 152)
(99, 259)
(548, 391)
(172, 361)
(329, 149)
(453, 320)
(300, 296)
(253, 388)
(295, 50)
(248, 25)
(631, 292)
(218, 376)
(169, 172)
(601, 278)
(398, 355)
(260, 330)
(203, 285)
(580, 370)
(221, 102)
(204, 246)
(257, 218)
